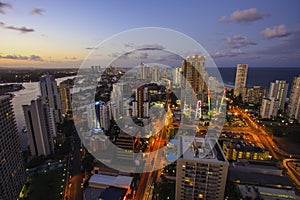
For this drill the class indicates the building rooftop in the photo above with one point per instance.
(113, 193)
(260, 179)
(4, 97)
(196, 148)
(106, 180)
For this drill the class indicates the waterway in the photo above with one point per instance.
(24, 97)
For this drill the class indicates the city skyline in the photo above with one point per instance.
(62, 34)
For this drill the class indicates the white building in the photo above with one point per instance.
(12, 170)
(51, 96)
(156, 74)
(240, 79)
(269, 108)
(176, 76)
(278, 90)
(145, 71)
(39, 127)
(294, 101)
(201, 169)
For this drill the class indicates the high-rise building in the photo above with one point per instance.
(120, 93)
(145, 71)
(201, 169)
(279, 90)
(156, 74)
(240, 79)
(126, 147)
(141, 103)
(255, 94)
(103, 112)
(65, 94)
(194, 73)
(39, 127)
(176, 76)
(269, 108)
(12, 170)
(51, 96)
(294, 100)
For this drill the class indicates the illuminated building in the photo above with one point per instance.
(141, 103)
(275, 100)
(12, 170)
(294, 100)
(201, 169)
(269, 108)
(254, 95)
(176, 76)
(39, 127)
(194, 73)
(51, 96)
(240, 150)
(65, 94)
(279, 90)
(240, 79)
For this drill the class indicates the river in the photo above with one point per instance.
(24, 97)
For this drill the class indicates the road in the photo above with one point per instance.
(145, 189)
(75, 191)
(283, 157)
(292, 172)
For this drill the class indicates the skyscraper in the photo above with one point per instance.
(51, 95)
(40, 127)
(145, 71)
(141, 103)
(294, 101)
(269, 108)
(102, 115)
(278, 90)
(240, 79)
(176, 76)
(12, 170)
(121, 91)
(201, 169)
(65, 94)
(255, 94)
(194, 73)
(156, 73)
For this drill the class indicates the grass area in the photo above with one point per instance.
(286, 137)
(46, 186)
(290, 132)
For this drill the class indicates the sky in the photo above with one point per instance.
(63, 33)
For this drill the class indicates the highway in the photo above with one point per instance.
(292, 172)
(75, 190)
(283, 157)
(145, 189)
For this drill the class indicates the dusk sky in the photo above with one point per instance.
(62, 33)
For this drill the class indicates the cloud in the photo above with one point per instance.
(248, 15)
(231, 53)
(71, 58)
(150, 47)
(22, 29)
(244, 16)
(238, 41)
(3, 6)
(2, 24)
(37, 11)
(129, 44)
(276, 31)
(223, 19)
(20, 57)
(35, 58)
(91, 48)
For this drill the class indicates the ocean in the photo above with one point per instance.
(261, 76)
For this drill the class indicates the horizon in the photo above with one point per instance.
(261, 34)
